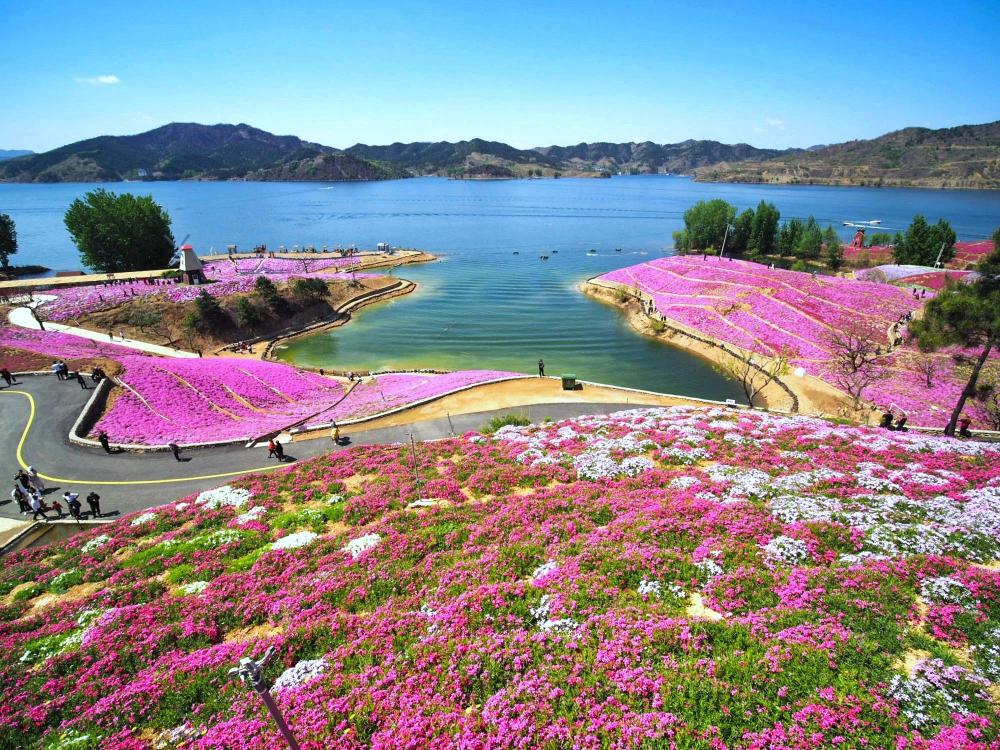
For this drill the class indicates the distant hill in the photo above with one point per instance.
(12, 153)
(648, 157)
(466, 157)
(454, 159)
(190, 150)
(967, 156)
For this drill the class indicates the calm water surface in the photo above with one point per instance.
(482, 305)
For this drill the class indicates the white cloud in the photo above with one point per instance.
(100, 80)
(774, 122)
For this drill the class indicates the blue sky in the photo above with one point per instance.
(535, 73)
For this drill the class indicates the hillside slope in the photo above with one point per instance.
(967, 156)
(190, 150)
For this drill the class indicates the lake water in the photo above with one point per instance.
(482, 306)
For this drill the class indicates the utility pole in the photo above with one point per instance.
(937, 263)
(723, 251)
(253, 672)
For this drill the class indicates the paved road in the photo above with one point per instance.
(22, 317)
(127, 481)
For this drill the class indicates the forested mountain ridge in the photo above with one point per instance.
(967, 156)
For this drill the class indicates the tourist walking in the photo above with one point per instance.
(81, 381)
(279, 450)
(963, 427)
(94, 501)
(57, 370)
(335, 434)
(541, 368)
(22, 477)
(7, 376)
(175, 449)
(35, 480)
(73, 503)
(272, 449)
(104, 441)
(37, 506)
(20, 497)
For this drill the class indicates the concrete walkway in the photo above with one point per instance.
(128, 482)
(22, 318)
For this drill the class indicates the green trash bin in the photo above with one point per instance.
(569, 382)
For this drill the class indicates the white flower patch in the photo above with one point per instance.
(219, 537)
(595, 464)
(293, 541)
(297, 676)
(334, 499)
(945, 590)
(792, 508)
(95, 543)
(683, 483)
(61, 578)
(142, 518)
(425, 502)
(935, 686)
(804, 479)
(679, 454)
(987, 655)
(860, 557)
(743, 482)
(544, 569)
(649, 588)
(224, 496)
(182, 506)
(253, 514)
(195, 587)
(357, 547)
(547, 624)
(787, 550)
(709, 568)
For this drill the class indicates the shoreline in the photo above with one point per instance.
(804, 394)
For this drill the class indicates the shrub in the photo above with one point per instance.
(503, 420)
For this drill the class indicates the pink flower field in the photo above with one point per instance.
(230, 277)
(676, 578)
(164, 400)
(757, 308)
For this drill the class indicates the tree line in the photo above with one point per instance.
(715, 226)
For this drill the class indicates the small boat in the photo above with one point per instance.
(516, 252)
(554, 252)
(544, 257)
(618, 249)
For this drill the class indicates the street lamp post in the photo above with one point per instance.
(253, 672)
(723, 251)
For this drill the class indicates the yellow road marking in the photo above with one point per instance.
(46, 477)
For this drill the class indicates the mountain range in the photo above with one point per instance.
(965, 156)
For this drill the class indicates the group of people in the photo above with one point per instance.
(923, 293)
(28, 494)
(891, 422)
(61, 369)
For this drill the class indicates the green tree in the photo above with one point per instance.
(834, 251)
(921, 242)
(967, 315)
(143, 317)
(764, 229)
(120, 232)
(311, 288)
(789, 236)
(248, 313)
(268, 293)
(878, 238)
(206, 315)
(739, 236)
(811, 240)
(705, 225)
(8, 241)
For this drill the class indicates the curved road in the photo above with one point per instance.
(37, 413)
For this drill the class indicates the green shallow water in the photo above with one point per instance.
(506, 315)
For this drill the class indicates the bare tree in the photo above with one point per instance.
(855, 348)
(928, 366)
(754, 372)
